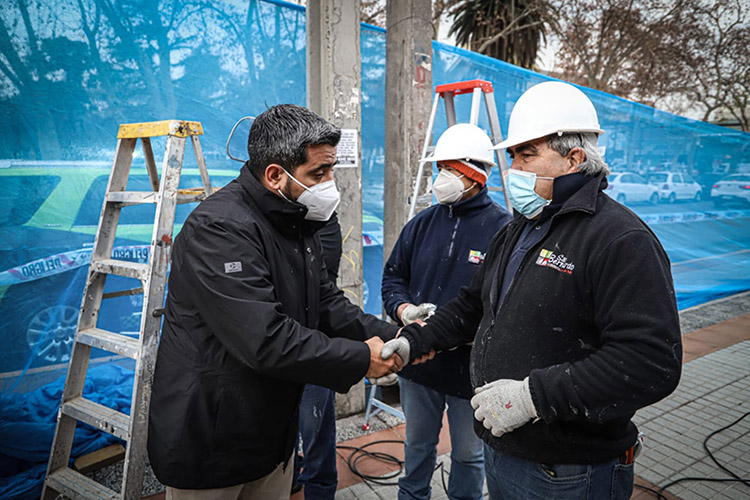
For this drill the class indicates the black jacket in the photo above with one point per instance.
(247, 306)
(436, 254)
(590, 317)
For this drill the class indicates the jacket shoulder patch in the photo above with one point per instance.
(232, 267)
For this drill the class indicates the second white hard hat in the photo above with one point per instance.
(463, 141)
(548, 108)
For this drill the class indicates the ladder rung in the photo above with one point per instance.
(123, 293)
(98, 416)
(190, 198)
(109, 341)
(121, 268)
(73, 484)
(132, 197)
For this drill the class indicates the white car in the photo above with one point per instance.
(627, 187)
(732, 188)
(675, 186)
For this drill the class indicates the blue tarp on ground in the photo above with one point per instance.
(71, 71)
(27, 425)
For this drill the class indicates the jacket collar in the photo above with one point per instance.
(584, 198)
(286, 216)
(478, 201)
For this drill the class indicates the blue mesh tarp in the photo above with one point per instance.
(71, 71)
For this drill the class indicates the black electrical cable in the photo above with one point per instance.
(360, 453)
(735, 478)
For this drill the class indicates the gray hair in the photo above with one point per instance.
(593, 164)
(282, 134)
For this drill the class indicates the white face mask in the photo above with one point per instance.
(321, 199)
(448, 187)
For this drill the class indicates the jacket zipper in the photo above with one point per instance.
(513, 281)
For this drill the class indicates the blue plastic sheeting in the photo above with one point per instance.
(71, 71)
(27, 425)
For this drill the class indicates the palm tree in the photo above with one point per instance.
(510, 30)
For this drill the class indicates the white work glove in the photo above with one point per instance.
(385, 380)
(398, 346)
(412, 313)
(503, 405)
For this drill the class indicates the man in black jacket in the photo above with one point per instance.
(251, 316)
(573, 316)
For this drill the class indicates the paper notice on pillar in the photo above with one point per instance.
(347, 153)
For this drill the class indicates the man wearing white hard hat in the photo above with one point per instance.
(436, 254)
(573, 316)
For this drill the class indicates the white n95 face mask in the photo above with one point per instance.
(448, 187)
(321, 199)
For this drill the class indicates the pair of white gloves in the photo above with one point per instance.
(501, 406)
(409, 315)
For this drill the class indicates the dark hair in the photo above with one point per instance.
(281, 135)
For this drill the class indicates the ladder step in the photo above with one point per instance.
(191, 197)
(75, 485)
(121, 268)
(464, 87)
(146, 197)
(133, 197)
(109, 341)
(98, 416)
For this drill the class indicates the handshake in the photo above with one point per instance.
(387, 358)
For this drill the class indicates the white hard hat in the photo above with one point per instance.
(548, 108)
(463, 141)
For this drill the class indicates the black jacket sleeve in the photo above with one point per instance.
(340, 318)
(640, 357)
(453, 325)
(241, 309)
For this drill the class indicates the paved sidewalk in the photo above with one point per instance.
(714, 391)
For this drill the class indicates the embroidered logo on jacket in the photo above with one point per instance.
(476, 257)
(232, 267)
(557, 262)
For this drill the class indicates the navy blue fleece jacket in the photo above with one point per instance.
(436, 254)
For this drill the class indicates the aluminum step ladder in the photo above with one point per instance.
(479, 89)
(133, 428)
(375, 406)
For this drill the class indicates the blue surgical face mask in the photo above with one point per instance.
(525, 200)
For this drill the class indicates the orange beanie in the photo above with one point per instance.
(472, 170)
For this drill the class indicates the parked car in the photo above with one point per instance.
(732, 188)
(627, 187)
(675, 186)
(48, 220)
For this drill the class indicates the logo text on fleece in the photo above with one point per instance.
(558, 262)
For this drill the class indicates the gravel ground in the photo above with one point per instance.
(350, 427)
(708, 314)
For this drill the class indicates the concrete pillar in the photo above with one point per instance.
(333, 91)
(408, 99)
